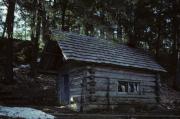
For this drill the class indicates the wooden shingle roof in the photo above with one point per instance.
(91, 49)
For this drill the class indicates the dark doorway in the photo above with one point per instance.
(64, 89)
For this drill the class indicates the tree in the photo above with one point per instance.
(35, 35)
(9, 39)
(151, 25)
(176, 38)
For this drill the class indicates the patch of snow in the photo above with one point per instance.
(24, 66)
(24, 112)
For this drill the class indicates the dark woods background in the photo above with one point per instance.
(152, 25)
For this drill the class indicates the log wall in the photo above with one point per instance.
(99, 86)
(104, 77)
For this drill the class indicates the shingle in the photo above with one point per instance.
(91, 49)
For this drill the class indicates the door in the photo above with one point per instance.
(64, 89)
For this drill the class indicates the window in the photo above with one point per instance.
(123, 86)
(129, 87)
(134, 87)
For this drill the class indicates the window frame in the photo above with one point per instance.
(125, 92)
(128, 87)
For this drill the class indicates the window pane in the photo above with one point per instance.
(122, 86)
(129, 87)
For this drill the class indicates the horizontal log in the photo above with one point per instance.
(102, 87)
(114, 82)
(124, 95)
(111, 70)
(103, 100)
(115, 88)
(148, 89)
(74, 83)
(72, 86)
(114, 101)
(77, 70)
(76, 76)
(148, 84)
(99, 80)
(79, 77)
(75, 89)
(72, 93)
(101, 74)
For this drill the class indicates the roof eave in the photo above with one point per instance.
(120, 66)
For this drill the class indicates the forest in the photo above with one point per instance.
(151, 25)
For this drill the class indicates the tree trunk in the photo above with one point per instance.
(132, 40)
(177, 82)
(4, 31)
(9, 45)
(158, 40)
(45, 24)
(63, 7)
(176, 46)
(35, 45)
(159, 30)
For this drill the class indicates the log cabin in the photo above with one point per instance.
(96, 73)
